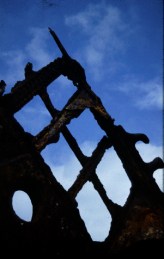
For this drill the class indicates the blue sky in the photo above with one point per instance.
(119, 43)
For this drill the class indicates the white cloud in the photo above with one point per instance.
(104, 31)
(93, 212)
(14, 62)
(114, 177)
(85, 19)
(144, 95)
(37, 48)
(152, 96)
(35, 51)
(66, 173)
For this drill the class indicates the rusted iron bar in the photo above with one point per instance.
(110, 205)
(25, 90)
(66, 133)
(70, 111)
(89, 167)
(47, 101)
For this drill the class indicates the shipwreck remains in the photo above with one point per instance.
(56, 227)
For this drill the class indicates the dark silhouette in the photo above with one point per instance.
(56, 227)
(2, 87)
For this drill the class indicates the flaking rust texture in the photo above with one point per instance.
(56, 227)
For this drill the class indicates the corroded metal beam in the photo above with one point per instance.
(23, 91)
(89, 167)
(75, 106)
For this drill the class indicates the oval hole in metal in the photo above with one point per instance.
(22, 205)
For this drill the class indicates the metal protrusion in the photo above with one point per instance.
(59, 44)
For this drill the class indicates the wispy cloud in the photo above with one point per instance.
(105, 32)
(14, 63)
(151, 95)
(34, 51)
(144, 94)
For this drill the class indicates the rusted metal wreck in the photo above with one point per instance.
(56, 227)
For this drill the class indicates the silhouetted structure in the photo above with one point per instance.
(56, 227)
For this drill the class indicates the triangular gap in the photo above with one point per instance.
(60, 92)
(148, 152)
(113, 177)
(159, 178)
(94, 213)
(33, 116)
(62, 161)
(86, 131)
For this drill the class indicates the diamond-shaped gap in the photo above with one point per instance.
(113, 177)
(60, 92)
(62, 161)
(33, 116)
(86, 131)
(94, 213)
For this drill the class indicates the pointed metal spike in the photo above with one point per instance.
(59, 44)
